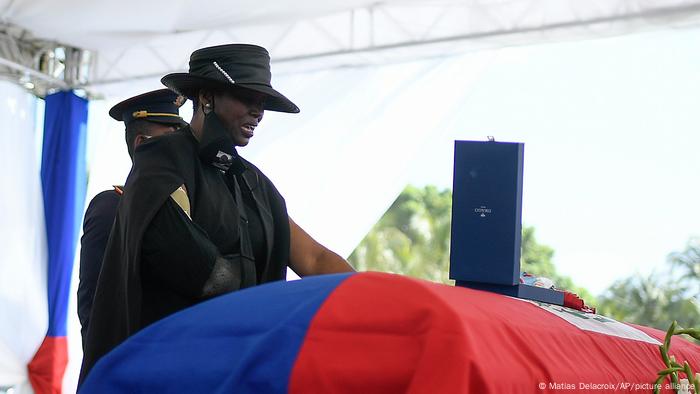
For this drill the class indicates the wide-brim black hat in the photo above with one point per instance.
(161, 106)
(230, 66)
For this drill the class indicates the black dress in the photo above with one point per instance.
(159, 261)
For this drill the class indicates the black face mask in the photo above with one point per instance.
(216, 146)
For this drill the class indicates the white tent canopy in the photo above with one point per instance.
(146, 39)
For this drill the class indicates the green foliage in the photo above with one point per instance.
(688, 263)
(650, 300)
(536, 259)
(659, 298)
(413, 238)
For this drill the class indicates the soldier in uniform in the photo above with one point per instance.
(145, 116)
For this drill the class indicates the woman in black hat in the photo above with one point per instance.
(197, 220)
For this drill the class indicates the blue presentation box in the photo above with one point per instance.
(486, 220)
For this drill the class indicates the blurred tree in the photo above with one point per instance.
(653, 301)
(658, 299)
(536, 259)
(413, 238)
(688, 262)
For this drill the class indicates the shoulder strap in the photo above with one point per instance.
(180, 197)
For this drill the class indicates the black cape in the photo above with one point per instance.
(161, 165)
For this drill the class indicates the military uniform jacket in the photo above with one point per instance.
(97, 225)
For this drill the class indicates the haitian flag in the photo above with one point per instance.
(382, 333)
(64, 182)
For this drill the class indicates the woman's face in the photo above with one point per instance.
(240, 112)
